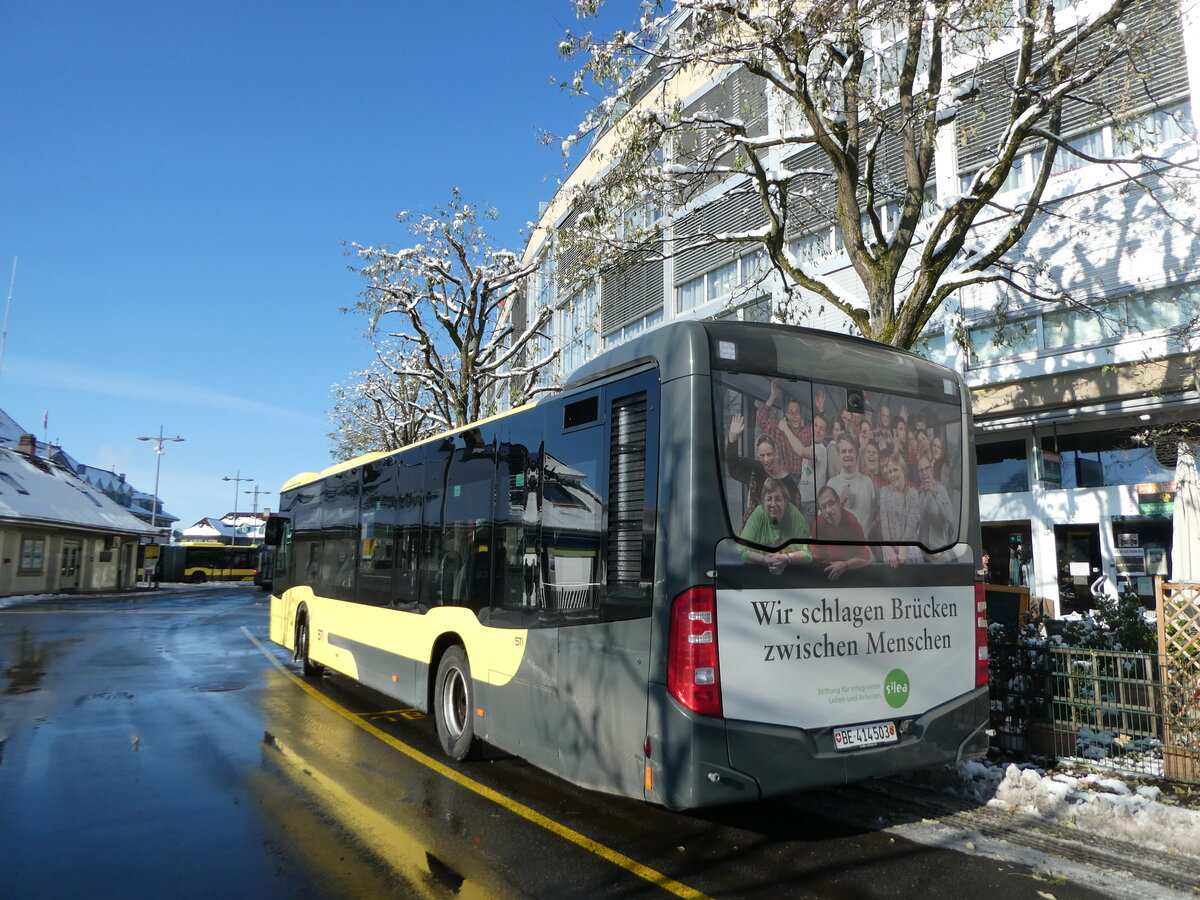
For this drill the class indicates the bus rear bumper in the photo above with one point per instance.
(731, 761)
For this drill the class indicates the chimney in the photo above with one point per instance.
(26, 445)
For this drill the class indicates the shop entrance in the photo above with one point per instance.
(1143, 550)
(1007, 546)
(1079, 564)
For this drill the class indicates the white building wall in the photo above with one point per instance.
(1113, 239)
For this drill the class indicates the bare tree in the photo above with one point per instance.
(377, 410)
(448, 351)
(834, 112)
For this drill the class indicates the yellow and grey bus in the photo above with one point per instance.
(201, 561)
(668, 581)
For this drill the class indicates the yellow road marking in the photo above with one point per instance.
(531, 815)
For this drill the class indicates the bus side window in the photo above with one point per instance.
(306, 533)
(517, 523)
(437, 564)
(573, 498)
(464, 570)
(339, 535)
(408, 531)
(377, 531)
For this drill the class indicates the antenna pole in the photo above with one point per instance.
(7, 309)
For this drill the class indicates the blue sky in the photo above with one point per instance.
(176, 181)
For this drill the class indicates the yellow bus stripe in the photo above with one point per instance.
(531, 815)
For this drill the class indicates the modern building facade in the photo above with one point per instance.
(1075, 403)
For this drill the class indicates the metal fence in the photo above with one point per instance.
(1131, 712)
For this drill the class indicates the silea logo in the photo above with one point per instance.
(895, 688)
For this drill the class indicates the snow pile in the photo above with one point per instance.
(18, 599)
(1092, 803)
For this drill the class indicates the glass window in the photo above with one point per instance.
(1095, 459)
(1079, 327)
(634, 328)
(1170, 307)
(464, 567)
(999, 341)
(1002, 467)
(572, 516)
(545, 280)
(892, 461)
(339, 535)
(811, 247)
(754, 266)
(689, 295)
(1090, 144)
(304, 506)
(408, 529)
(577, 329)
(933, 347)
(377, 532)
(1020, 174)
(518, 516)
(1156, 128)
(33, 552)
(722, 281)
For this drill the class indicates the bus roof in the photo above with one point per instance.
(345, 465)
(676, 348)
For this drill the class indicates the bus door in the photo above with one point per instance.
(599, 495)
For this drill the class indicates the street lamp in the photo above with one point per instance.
(235, 479)
(257, 490)
(258, 522)
(158, 449)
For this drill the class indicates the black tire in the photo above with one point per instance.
(301, 655)
(198, 578)
(454, 705)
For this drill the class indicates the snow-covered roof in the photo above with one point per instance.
(139, 502)
(45, 491)
(208, 527)
(10, 431)
(246, 525)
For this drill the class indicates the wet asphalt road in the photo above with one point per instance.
(153, 745)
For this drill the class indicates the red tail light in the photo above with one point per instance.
(981, 635)
(693, 671)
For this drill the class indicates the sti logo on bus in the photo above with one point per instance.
(895, 688)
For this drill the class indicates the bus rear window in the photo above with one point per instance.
(876, 474)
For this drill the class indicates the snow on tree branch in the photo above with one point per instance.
(835, 114)
(439, 318)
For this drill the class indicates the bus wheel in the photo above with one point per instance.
(301, 655)
(454, 705)
(199, 578)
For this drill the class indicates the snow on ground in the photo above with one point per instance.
(1095, 804)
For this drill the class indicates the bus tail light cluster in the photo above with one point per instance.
(981, 635)
(693, 670)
